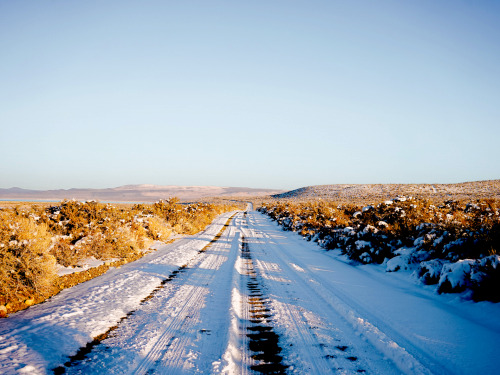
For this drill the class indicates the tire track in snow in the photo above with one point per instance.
(84, 351)
(263, 341)
(315, 285)
(327, 349)
(312, 342)
(186, 300)
(303, 328)
(253, 345)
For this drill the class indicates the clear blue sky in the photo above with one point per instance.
(266, 93)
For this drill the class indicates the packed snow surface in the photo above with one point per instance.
(206, 304)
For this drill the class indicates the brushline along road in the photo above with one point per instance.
(245, 297)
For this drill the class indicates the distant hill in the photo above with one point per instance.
(134, 193)
(466, 190)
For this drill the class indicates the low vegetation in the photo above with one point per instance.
(379, 192)
(453, 244)
(35, 241)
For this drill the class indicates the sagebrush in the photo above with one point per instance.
(34, 240)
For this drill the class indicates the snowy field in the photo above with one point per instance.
(363, 192)
(246, 297)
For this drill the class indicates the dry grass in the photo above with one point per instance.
(34, 238)
(26, 266)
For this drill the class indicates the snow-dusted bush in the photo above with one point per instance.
(481, 276)
(34, 240)
(456, 277)
(27, 269)
(158, 229)
(440, 242)
(486, 279)
(429, 271)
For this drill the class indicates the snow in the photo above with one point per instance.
(382, 224)
(84, 265)
(369, 229)
(432, 268)
(329, 315)
(365, 257)
(443, 332)
(492, 260)
(361, 244)
(401, 261)
(396, 263)
(77, 315)
(455, 273)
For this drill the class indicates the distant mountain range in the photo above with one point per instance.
(344, 192)
(134, 193)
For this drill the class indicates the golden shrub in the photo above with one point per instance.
(34, 238)
(26, 265)
(158, 229)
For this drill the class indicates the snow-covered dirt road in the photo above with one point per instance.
(245, 297)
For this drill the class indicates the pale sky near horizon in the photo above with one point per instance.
(270, 94)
